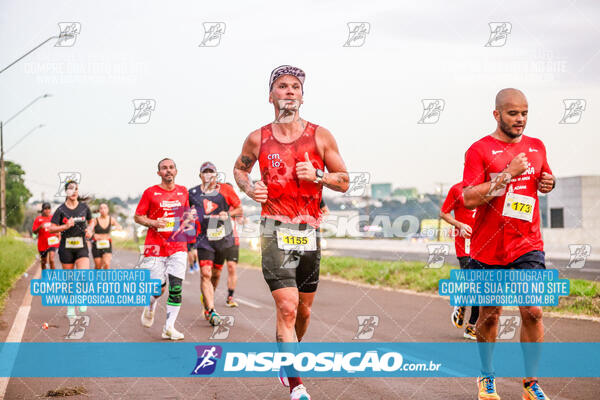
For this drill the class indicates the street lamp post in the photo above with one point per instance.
(60, 36)
(2, 169)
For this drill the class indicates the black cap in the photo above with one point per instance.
(46, 205)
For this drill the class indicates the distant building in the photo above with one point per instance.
(408, 193)
(573, 211)
(381, 191)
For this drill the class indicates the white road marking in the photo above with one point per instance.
(16, 332)
(246, 302)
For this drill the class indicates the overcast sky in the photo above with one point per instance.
(370, 97)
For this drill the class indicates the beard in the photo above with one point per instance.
(506, 128)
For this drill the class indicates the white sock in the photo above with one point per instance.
(153, 303)
(172, 312)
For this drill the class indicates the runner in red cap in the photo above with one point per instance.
(292, 154)
(216, 205)
(47, 242)
(503, 173)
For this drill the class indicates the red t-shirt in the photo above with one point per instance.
(455, 202)
(499, 239)
(45, 239)
(155, 203)
(290, 200)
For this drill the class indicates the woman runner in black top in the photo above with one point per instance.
(101, 241)
(71, 219)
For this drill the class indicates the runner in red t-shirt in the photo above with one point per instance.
(162, 209)
(47, 243)
(503, 173)
(463, 222)
(292, 154)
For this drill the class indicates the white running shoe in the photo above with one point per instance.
(299, 393)
(147, 317)
(172, 333)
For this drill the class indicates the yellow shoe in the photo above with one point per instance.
(231, 302)
(487, 388)
(458, 317)
(532, 391)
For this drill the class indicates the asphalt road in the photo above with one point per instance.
(403, 317)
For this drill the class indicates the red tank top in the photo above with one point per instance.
(290, 199)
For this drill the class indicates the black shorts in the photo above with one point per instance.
(97, 253)
(48, 250)
(69, 256)
(289, 268)
(532, 260)
(464, 262)
(217, 257)
(232, 253)
(191, 246)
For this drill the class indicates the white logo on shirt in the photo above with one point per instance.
(275, 159)
(157, 193)
(494, 152)
(532, 150)
(179, 194)
(170, 204)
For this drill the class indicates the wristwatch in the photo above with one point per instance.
(320, 174)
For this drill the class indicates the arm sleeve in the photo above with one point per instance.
(88, 214)
(545, 166)
(36, 224)
(230, 197)
(474, 171)
(57, 217)
(187, 198)
(450, 201)
(144, 205)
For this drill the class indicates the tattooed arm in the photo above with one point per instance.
(243, 167)
(336, 177)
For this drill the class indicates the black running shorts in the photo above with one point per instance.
(289, 268)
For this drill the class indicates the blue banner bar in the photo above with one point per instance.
(223, 359)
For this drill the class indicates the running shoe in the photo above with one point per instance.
(231, 302)
(196, 267)
(299, 393)
(470, 333)
(458, 317)
(213, 318)
(70, 311)
(172, 333)
(532, 391)
(192, 269)
(147, 317)
(487, 388)
(82, 308)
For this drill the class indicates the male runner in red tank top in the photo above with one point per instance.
(292, 155)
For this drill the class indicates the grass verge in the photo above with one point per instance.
(15, 257)
(127, 244)
(584, 298)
